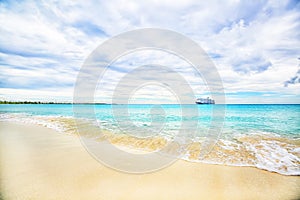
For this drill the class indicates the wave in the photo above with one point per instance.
(274, 154)
(262, 150)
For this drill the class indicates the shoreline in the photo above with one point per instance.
(40, 163)
(262, 150)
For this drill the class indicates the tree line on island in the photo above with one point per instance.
(29, 102)
(41, 102)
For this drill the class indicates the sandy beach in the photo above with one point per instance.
(40, 163)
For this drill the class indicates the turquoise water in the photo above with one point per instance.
(262, 136)
(279, 119)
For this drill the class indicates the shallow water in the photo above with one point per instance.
(263, 136)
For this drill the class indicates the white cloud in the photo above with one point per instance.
(255, 45)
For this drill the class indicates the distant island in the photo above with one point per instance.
(40, 102)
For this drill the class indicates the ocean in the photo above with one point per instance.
(257, 135)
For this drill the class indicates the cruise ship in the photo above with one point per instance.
(205, 101)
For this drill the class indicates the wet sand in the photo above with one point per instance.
(39, 163)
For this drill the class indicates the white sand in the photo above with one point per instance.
(39, 163)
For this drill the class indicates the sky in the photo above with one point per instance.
(255, 46)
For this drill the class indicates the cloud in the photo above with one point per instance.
(89, 28)
(254, 44)
(295, 79)
(250, 64)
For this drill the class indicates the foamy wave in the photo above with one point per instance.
(52, 122)
(266, 151)
(274, 154)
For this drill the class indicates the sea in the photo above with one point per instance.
(258, 135)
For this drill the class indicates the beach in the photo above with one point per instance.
(40, 163)
(150, 100)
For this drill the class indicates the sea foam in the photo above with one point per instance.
(262, 150)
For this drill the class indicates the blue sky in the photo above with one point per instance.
(255, 46)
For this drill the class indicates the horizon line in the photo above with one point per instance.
(103, 103)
